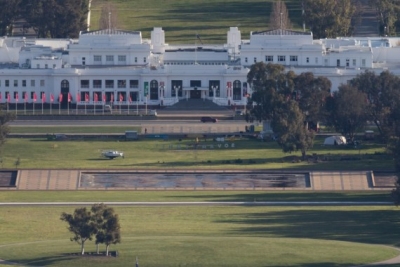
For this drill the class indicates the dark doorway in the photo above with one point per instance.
(195, 94)
(64, 92)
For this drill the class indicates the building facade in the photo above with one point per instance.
(120, 67)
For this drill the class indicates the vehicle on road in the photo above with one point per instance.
(208, 119)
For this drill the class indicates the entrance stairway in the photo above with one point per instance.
(195, 104)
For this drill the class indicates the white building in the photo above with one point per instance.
(121, 67)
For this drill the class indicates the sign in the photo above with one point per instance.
(146, 88)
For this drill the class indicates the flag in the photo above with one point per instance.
(51, 98)
(43, 97)
(8, 98)
(112, 98)
(16, 97)
(69, 97)
(0, 96)
(26, 97)
(121, 97)
(60, 97)
(96, 97)
(34, 97)
(86, 97)
(78, 97)
(130, 99)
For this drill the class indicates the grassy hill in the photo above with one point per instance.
(183, 19)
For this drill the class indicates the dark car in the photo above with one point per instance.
(208, 119)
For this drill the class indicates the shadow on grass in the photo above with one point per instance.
(364, 226)
(291, 196)
(49, 260)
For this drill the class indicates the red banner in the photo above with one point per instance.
(25, 97)
(60, 97)
(104, 98)
(130, 99)
(69, 97)
(51, 98)
(43, 97)
(112, 97)
(16, 97)
(121, 97)
(86, 97)
(34, 97)
(78, 97)
(96, 97)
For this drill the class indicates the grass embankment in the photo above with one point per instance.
(182, 20)
(149, 154)
(210, 236)
(71, 129)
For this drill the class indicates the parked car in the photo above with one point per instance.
(208, 119)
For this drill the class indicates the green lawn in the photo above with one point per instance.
(183, 19)
(210, 236)
(71, 129)
(148, 154)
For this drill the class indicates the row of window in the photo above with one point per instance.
(109, 83)
(7, 83)
(110, 59)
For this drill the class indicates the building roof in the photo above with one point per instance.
(280, 32)
(110, 31)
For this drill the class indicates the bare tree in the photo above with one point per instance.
(279, 18)
(108, 17)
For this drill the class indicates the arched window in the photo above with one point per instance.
(153, 90)
(237, 90)
(64, 86)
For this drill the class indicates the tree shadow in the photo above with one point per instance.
(363, 226)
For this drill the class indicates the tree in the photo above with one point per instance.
(311, 93)
(9, 11)
(56, 18)
(279, 18)
(273, 101)
(383, 95)
(387, 13)
(5, 118)
(81, 225)
(107, 224)
(330, 18)
(288, 124)
(347, 110)
(108, 17)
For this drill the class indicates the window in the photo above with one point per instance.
(42, 83)
(347, 62)
(316, 60)
(84, 83)
(7, 83)
(308, 60)
(16, 96)
(23, 83)
(109, 83)
(153, 90)
(96, 83)
(97, 59)
(144, 60)
(338, 63)
(83, 61)
(110, 58)
(255, 60)
(121, 83)
(354, 62)
(269, 58)
(134, 84)
(281, 58)
(46, 66)
(135, 59)
(245, 59)
(121, 58)
(363, 63)
(15, 83)
(37, 66)
(33, 95)
(293, 58)
(32, 83)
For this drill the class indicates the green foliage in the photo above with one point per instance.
(81, 225)
(347, 111)
(387, 12)
(107, 225)
(329, 18)
(8, 14)
(5, 118)
(55, 18)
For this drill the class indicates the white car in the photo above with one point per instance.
(112, 154)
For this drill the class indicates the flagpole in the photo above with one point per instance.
(16, 108)
(33, 107)
(25, 107)
(137, 103)
(51, 104)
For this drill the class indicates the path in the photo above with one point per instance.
(369, 25)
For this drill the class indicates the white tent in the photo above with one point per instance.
(335, 140)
